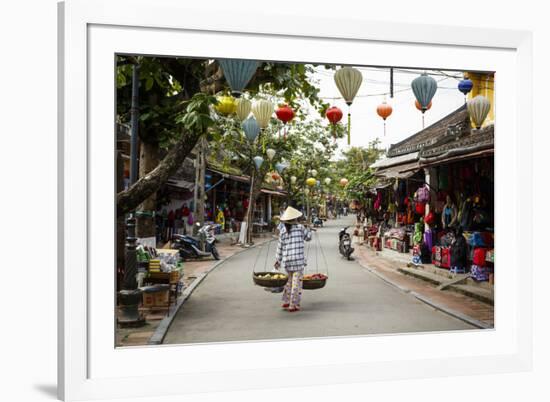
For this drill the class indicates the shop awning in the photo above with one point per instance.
(397, 160)
(273, 192)
(242, 179)
(181, 184)
(399, 172)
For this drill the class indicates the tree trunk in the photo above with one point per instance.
(145, 220)
(255, 187)
(152, 182)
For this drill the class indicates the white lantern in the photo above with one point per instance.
(313, 172)
(306, 191)
(327, 181)
(262, 111)
(293, 179)
(270, 153)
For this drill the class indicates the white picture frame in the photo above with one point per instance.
(91, 32)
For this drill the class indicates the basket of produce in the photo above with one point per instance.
(270, 279)
(315, 281)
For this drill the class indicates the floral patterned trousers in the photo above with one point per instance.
(292, 293)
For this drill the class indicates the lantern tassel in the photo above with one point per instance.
(422, 120)
(349, 128)
(384, 127)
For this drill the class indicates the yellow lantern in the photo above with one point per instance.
(226, 105)
(243, 108)
(311, 182)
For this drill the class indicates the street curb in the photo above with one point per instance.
(160, 333)
(437, 306)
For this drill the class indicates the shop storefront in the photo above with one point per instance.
(434, 185)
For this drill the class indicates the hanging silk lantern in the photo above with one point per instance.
(251, 129)
(478, 108)
(384, 111)
(318, 183)
(238, 73)
(348, 80)
(424, 88)
(275, 176)
(280, 167)
(344, 182)
(243, 108)
(262, 111)
(293, 179)
(327, 181)
(311, 182)
(285, 114)
(226, 105)
(334, 115)
(258, 161)
(313, 172)
(417, 104)
(306, 191)
(465, 86)
(270, 153)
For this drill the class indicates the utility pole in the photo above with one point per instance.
(130, 296)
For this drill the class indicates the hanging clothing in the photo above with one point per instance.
(292, 292)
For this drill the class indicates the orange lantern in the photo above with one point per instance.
(419, 107)
(344, 182)
(384, 111)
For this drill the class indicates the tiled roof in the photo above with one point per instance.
(430, 135)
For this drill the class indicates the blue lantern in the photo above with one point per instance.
(424, 88)
(465, 86)
(258, 161)
(251, 128)
(238, 73)
(280, 167)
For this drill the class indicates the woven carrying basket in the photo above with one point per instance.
(268, 283)
(311, 284)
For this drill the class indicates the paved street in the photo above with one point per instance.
(227, 306)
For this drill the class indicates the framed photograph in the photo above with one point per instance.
(242, 200)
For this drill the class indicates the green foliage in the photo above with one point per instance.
(197, 116)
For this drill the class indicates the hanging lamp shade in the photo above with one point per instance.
(311, 182)
(384, 110)
(313, 172)
(243, 108)
(293, 179)
(334, 115)
(306, 191)
(258, 161)
(226, 105)
(238, 73)
(280, 167)
(465, 86)
(285, 113)
(270, 153)
(478, 108)
(344, 182)
(327, 181)
(251, 128)
(417, 104)
(262, 111)
(348, 80)
(424, 88)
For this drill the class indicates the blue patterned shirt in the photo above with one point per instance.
(290, 248)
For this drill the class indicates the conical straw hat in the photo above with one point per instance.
(290, 214)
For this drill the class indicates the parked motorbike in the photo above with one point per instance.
(317, 222)
(345, 243)
(189, 246)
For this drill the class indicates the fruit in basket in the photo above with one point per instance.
(315, 277)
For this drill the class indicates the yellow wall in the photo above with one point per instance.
(484, 84)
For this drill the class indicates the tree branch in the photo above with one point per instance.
(147, 185)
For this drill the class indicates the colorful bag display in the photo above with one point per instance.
(422, 194)
(480, 273)
(420, 208)
(479, 256)
(441, 257)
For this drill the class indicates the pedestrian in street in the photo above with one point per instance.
(290, 256)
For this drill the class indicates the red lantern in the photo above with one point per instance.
(334, 115)
(419, 107)
(285, 114)
(384, 111)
